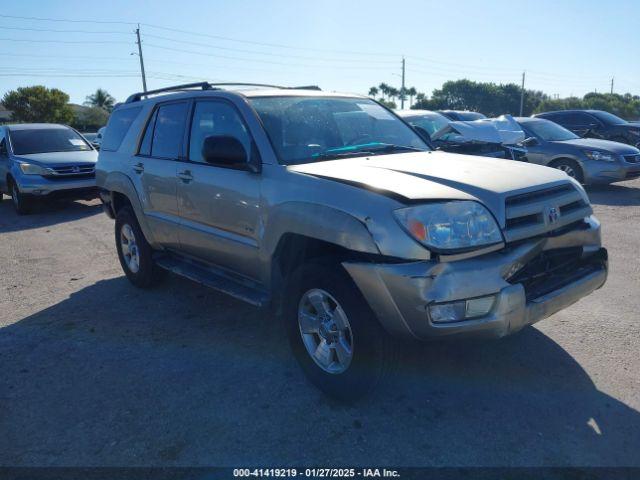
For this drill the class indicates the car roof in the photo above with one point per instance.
(35, 126)
(573, 110)
(530, 119)
(242, 92)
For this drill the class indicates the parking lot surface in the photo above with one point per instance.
(96, 372)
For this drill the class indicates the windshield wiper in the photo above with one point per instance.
(390, 147)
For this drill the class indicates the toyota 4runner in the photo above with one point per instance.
(332, 210)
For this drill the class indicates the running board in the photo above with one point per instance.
(213, 277)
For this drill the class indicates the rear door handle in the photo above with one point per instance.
(185, 176)
(138, 167)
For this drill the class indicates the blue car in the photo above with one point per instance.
(41, 160)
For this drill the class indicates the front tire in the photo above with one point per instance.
(333, 333)
(21, 203)
(570, 167)
(134, 252)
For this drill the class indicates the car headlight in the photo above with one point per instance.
(30, 169)
(455, 225)
(598, 155)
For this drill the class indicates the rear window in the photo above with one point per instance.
(118, 126)
(46, 140)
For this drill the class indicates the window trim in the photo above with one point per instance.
(180, 158)
(254, 159)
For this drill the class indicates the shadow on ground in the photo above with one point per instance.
(45, 214)
(616, 195)
(180, 375)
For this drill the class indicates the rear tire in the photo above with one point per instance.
(570, 167)
(348, 362)
(21, 203)
(134, 252)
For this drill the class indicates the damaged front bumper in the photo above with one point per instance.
(528, 282)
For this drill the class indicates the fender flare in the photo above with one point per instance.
(120, 183)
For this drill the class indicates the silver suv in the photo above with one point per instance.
(333, 211)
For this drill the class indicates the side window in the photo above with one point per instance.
(216, 118)
(119, 123)
(145, 146)
(576, 119)
(168, 130)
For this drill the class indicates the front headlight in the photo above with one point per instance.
(454, 225)
(598, 155)
(30, 169)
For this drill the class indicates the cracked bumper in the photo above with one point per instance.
(400, 294)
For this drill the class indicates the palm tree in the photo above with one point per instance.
(373, 92)
(102, 99)
(384, 89)
(412, 92)
(393, 93)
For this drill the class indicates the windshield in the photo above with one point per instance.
(470, 116)
(45, 140)
(549, 131)
(309, 129)
(607, 117)
(431, 122)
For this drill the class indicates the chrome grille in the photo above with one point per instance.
(542, 211)
(72, 170)
(635, 158)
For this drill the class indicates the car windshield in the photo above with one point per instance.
(470, 116)
(430, 122)
(549, 131)
(46, 140)
(308, 129)
(609, 118)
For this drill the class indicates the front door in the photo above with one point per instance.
(219, 207)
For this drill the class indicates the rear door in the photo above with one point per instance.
(156, 166)
(219, 207)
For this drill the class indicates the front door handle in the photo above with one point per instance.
(138, 167)
(185, 176)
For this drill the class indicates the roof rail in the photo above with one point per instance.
(136, 97)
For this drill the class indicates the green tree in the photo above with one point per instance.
(90, 119)
(384, 90)
(100, 98)
(38, 104)
(412, 92)
(373, 92)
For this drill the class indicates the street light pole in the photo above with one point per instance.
(522, 95)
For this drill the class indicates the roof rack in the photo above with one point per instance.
(136, 97)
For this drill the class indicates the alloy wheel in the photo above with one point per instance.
(130, 251)
(325, 331)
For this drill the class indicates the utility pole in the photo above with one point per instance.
(612, 78)
(402, 89)
(522, 95)
(144, 78)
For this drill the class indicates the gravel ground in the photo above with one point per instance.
(96, 372)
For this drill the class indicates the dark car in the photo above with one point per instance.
(596, 124)
(588, 160)
(461, 115)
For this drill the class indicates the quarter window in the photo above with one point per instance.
(118, 126)
(216, 118)
(168, 130)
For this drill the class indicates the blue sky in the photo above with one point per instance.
(566, 47)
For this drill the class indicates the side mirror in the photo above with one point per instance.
(224, 151)
(530, 142)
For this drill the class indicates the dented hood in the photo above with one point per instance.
(502, 130)
(437, 176)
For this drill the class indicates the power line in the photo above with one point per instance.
(259, 60)
(82, 42)
(53, 30)
(255, 52)
(67, 20)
